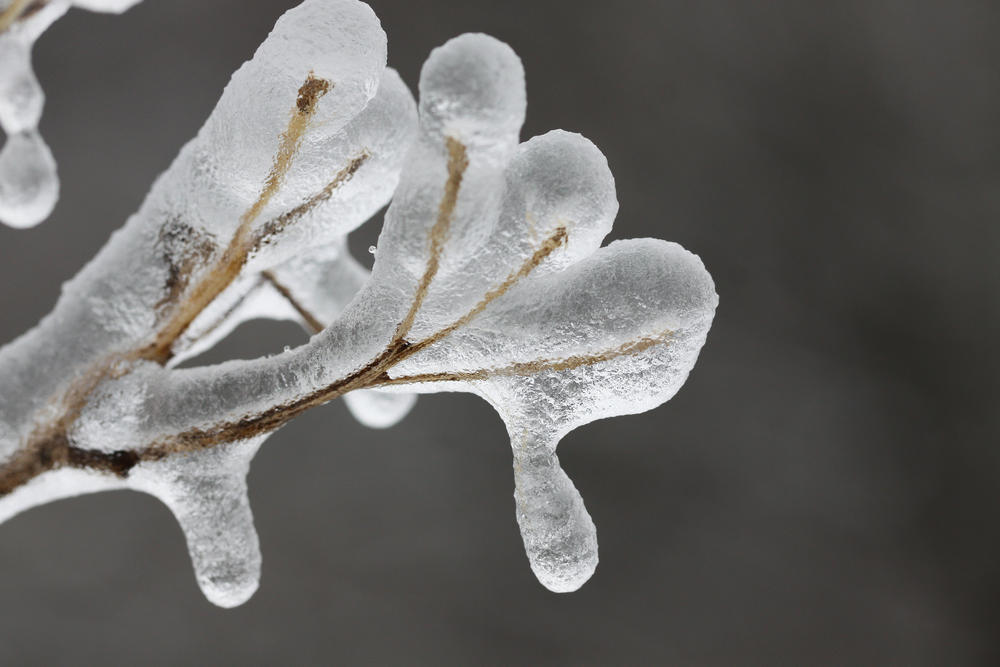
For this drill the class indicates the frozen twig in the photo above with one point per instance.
(489, 277)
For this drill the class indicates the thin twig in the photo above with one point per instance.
(523, 368)
(458, 162)
(315, 326)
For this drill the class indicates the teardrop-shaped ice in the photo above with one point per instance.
(559, 536)
(207, 493)
(29, 187)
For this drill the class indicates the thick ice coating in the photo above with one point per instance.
(490, 260)
(490, 277)
(311, 289)
(207, 493)
(309, 276)
(323, 127)
(29, 186)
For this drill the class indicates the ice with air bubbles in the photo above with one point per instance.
(490, 276)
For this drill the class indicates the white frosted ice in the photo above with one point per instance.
(207, 493)
(29, 186)
(321, 73)
(586, 333)
(379, 409)
(489, 277)
(116, 6)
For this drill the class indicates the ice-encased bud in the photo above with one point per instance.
(472, 87)
(338, 40)
(322, 62)
(29, 187)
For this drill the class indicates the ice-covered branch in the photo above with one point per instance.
(489, 277)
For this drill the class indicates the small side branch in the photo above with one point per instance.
(458, 162)
(234, 257)
(546, 249)
(279, 224)
(525, 368)
(315, 326)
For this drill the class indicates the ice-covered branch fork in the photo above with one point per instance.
(489, 277)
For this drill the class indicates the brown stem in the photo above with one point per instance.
(13, 12)
(315, 326)
(523, 368)
(458, 161)
(234, 257)
(546, 249)
(55, 451)
(271, 229)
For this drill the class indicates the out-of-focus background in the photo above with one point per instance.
(823, 491)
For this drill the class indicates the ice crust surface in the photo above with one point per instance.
(29, 186)
(489, 277)
(581, 333)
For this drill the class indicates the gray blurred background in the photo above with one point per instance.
(821, 492)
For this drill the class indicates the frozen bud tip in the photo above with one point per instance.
(472, 88)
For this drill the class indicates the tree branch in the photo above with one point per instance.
(52, 448)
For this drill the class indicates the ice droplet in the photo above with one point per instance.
(372, 249)
(29, 187)
(379, 409)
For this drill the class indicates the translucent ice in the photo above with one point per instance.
(323, 127)
(489, 277)
(29, 187)
(516, 300)
(207, 493)
(105, 5)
